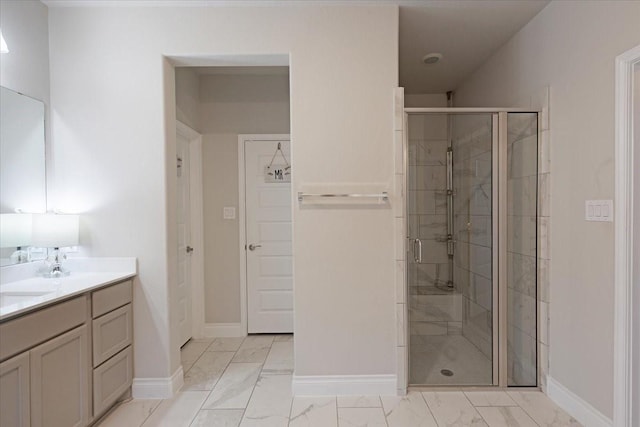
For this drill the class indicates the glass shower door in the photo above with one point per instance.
(451, 261)
(522, 254)
(474, 141)
(472, 222)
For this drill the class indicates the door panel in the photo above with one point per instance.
(522, 181)
(276, 232)
(268, 226)
(450, 283)
(279, 266)
(60, 380)
(478, 240)
(183, 284)
(14, 392)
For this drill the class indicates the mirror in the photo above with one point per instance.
(22, 156)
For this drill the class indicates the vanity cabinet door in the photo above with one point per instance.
(111, 380)
(111, 333)
(60, 381)
(14, 391)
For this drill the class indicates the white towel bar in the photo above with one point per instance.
(384, 196)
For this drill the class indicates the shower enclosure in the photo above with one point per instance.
(472, 230)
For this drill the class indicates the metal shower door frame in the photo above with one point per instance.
(499, 154)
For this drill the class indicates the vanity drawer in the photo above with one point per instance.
(32, 329)
(111, 333)
(111, 380)
(110, 298)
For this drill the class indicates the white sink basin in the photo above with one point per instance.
(16, 297)
(22, 290)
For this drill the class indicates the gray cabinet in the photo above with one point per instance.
(14, 392)
(111, 334)
(26, 331)
(110, 298)
(112, 337)
(66, 364)
(60, 381)
(45, 364)
(111, 380)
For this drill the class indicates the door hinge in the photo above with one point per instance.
(179, 165)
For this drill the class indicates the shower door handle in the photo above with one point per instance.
(417, 254)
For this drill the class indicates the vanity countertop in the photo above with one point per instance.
(27, 292)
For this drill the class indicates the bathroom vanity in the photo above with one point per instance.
(66, 345)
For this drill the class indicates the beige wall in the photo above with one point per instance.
(231, 105)
(571, 47)
(188, 97)
(115, 159)
(425, 100)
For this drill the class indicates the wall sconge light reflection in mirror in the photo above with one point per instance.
(16, 232)
(3, 44)
(55, 231)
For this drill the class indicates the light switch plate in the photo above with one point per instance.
(229, 212)
(598, 210)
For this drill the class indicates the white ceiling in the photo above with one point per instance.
(466, 32)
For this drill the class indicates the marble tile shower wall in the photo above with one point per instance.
(434, 310)
(522, 184)
(400, 241)
(472, 175)
(541, 102)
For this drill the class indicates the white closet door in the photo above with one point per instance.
(269, 248)
(183, 291)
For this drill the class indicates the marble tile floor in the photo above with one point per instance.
(236, 382)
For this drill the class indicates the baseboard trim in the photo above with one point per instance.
(223, 330)
(318, 385)
(158, 388)
(577, 407)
